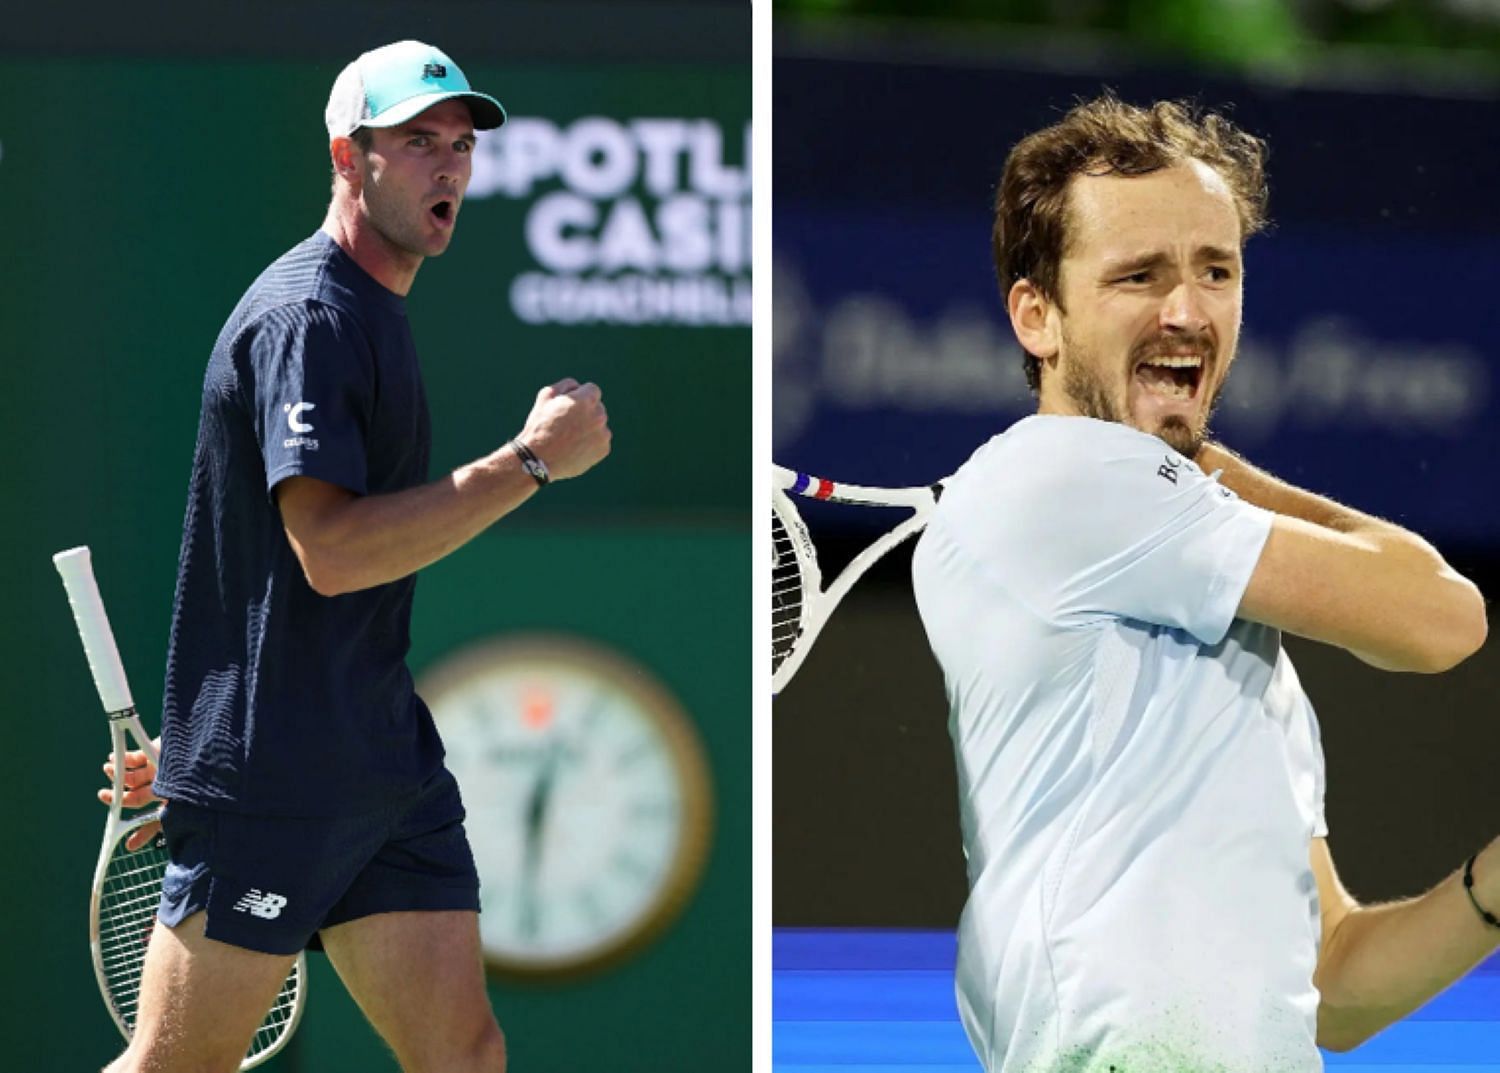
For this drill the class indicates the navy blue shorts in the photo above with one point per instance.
(270, 883)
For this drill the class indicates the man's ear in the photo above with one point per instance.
(1034, 318)
(346, 159)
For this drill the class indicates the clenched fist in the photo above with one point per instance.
(568, 428)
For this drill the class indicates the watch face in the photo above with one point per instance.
(587, 798)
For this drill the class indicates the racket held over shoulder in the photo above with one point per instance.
(127, 884)
(800, 603)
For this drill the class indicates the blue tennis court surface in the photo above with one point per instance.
(847, 1001)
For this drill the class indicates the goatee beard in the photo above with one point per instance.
(1181, 437)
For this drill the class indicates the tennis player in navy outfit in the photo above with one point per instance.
(309, 804)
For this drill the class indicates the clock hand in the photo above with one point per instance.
(531, 858)
(536, 815)
(541, 794)
(527, 923)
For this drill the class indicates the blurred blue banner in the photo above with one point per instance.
(1367, 367)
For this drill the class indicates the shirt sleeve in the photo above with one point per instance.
(310, 372)
(1104, 521)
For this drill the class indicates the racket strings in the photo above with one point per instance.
(128, 900)
(282, 1013)
(786, 594)
(127, 915)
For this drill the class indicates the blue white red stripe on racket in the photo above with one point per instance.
(800, 605)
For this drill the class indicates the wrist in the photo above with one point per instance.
(533, 466)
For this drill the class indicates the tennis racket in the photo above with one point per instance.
(800, 605)
(127, 885)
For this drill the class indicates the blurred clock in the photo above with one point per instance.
(587, 793)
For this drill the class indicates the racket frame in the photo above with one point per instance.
(818, 603)
(117, 829)
(75, 566)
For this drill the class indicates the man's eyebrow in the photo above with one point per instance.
(1217, 253)
(1129, 266)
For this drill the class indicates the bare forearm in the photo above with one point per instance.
(371, 540)
(1383, 962)
(346, 542)
(1256, 486)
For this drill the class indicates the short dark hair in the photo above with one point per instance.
(1100, 137)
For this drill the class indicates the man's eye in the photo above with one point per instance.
(1135, 277)
(421, 141)
(464, 147)
(1220, 274)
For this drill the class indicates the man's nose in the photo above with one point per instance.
(453, 168)
(1183, 309)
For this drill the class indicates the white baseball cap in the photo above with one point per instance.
(387, 86)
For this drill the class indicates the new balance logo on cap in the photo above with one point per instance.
(266, 905)
(434, 70)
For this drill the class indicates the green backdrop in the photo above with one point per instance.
(140, 199)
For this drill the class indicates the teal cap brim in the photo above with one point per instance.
(487, 112)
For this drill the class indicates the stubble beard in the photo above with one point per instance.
(1092, 398)
(394, 225)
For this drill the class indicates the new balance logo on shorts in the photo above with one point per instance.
(267, 905)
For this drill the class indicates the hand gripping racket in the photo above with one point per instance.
(127, 886)
(799, 604)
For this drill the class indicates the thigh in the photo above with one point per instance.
(201, 1000)
(419, 978)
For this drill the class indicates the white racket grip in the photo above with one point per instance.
(77, 570)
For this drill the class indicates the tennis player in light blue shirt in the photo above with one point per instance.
(1141, 775)
(1136, 764)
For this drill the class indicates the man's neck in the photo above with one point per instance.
(1053, 400)
(394, 269)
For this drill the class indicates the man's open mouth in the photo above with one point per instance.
(443, 210)
(1171, 376)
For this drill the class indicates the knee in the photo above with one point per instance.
(485, 1053)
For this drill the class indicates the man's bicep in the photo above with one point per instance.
(1318, 583)
(309, 509)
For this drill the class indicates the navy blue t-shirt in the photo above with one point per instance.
(279, 701)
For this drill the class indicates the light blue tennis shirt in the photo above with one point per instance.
(1140, 771)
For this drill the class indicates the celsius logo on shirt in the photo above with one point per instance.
(294, 422)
